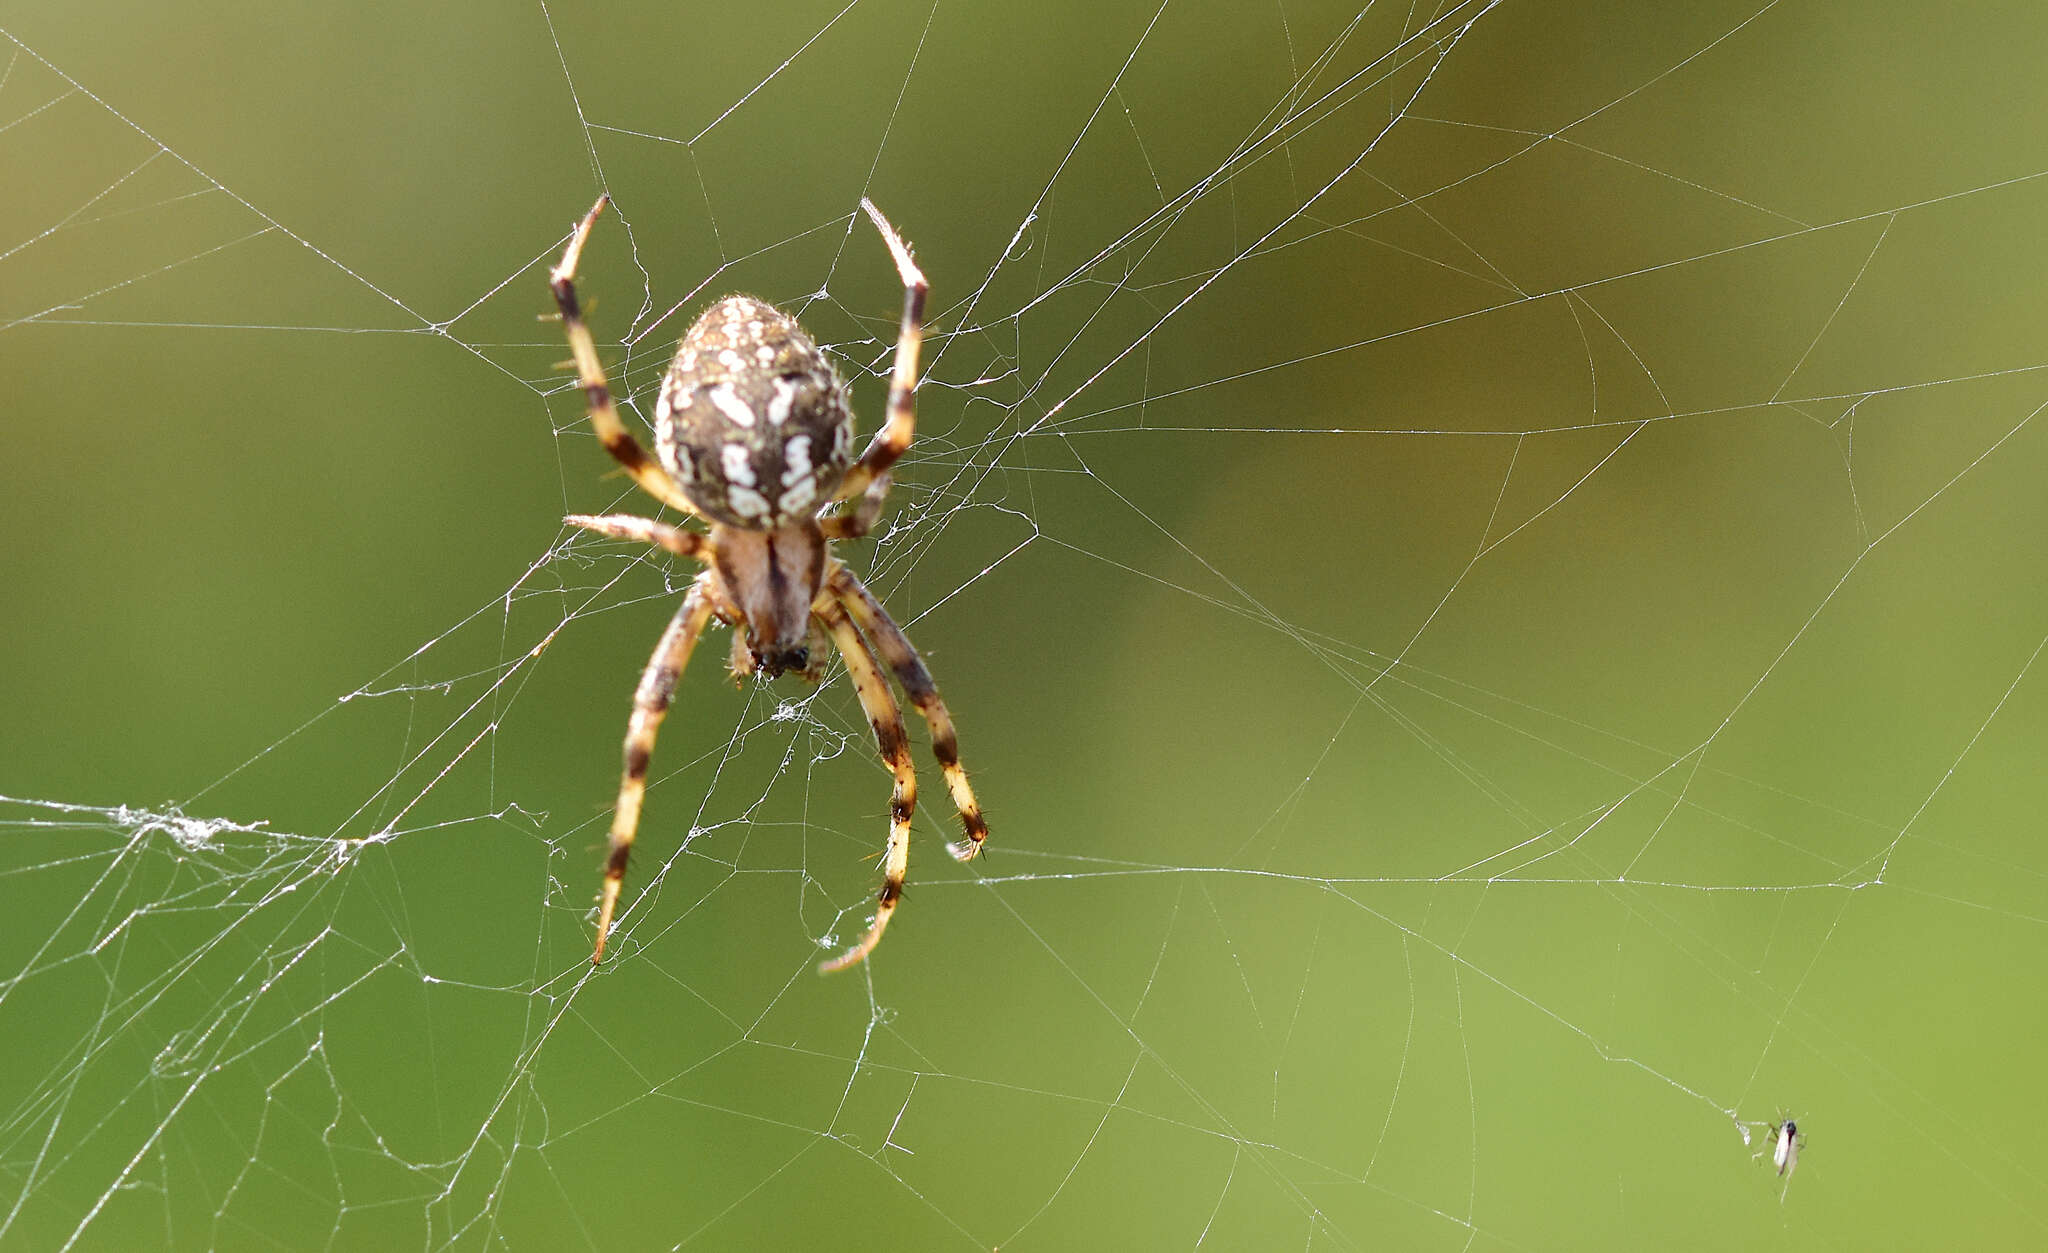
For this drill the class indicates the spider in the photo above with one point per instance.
(755, 439)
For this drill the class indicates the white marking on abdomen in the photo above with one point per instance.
(730, 404)
(794, 500)
(738, 469)
(779, 404)
(797, 456)
(746, 502)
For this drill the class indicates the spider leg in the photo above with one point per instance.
(897, 650)
(894, 438)
(887, 719)
(659, 534)
(862, 517)
(650, 706)
(604, 415)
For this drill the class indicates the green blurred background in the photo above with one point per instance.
(1488, 564)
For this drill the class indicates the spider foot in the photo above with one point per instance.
(608, 905)
(859, 952)
(885, 905)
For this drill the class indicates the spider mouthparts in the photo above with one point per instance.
(776, 660)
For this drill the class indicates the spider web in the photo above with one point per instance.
(1487, 559)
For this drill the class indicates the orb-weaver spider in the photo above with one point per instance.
(755, 438)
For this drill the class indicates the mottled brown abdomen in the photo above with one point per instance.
(753, 421)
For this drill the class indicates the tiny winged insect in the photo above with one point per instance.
(754, 437)
(1785, 1145)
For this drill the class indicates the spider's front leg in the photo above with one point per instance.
(893, 440)
(597, 392)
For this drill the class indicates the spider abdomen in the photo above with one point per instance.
(753, 421)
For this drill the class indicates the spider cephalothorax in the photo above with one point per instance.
(772, 577)
(755, 437)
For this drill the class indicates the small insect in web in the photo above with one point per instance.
(754, 437)
(1786, 1141)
